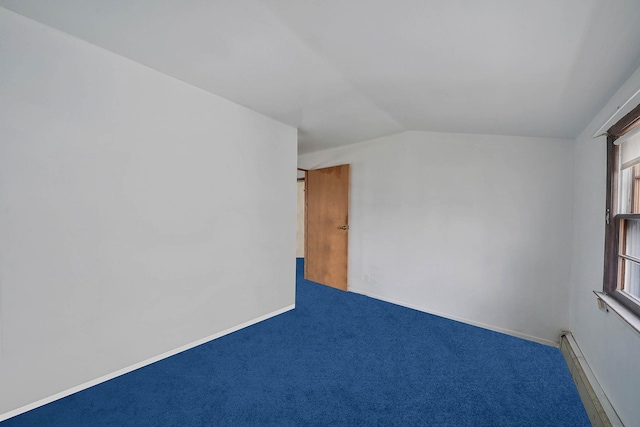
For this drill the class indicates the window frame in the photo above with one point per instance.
(614, 220)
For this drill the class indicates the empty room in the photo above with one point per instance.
(468, 190)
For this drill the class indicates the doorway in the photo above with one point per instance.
(300, 215)
(326, 226)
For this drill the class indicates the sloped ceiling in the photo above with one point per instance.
(343, 71)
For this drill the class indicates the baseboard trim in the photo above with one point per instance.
(460, 319)
(139, 365)
(598, 407)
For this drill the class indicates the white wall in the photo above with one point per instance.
(476, 228)
(610, 346)
(125, 229)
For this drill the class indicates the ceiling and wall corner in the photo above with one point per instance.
(348, 71)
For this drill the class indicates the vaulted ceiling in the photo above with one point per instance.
(343, 71)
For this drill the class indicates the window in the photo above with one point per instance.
(622, 237)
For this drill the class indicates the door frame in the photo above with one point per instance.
(306, 216)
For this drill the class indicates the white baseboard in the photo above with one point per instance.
(596, 403)
(459, 319)
(139, 365)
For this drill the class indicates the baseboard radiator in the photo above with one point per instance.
(598, 407)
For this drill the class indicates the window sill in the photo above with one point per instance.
(622, 311)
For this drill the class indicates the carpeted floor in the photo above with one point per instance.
(338, 359)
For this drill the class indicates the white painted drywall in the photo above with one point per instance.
(472, 227)
(125, 228)
(610, 346)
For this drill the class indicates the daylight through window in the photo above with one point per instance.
(622, 251)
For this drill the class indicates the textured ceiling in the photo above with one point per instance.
(343, 71)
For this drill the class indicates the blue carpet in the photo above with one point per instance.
(338, 359)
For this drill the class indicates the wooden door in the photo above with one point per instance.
(327, 226)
